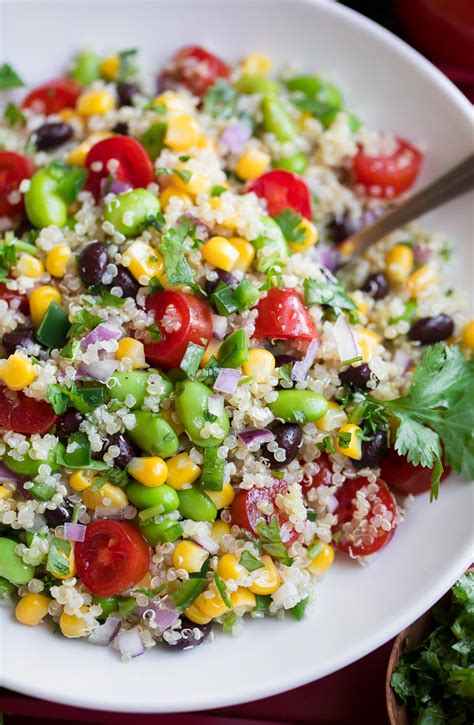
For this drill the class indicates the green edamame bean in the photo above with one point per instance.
(256, 84)
(43, 204)
(42, 491)
(296, 163)
(154, 435)
(12, 567)
(192, 407)
(160, 532)
(234, 351)
(196, 505)
(135, 383)
(144, 497)
(153, 139)
(109, 605)
(299, 406)
(6, 589)
(272, 237)
(86, 69)
(30, 466)
(276, 119)
(309, 85)
(128, 211)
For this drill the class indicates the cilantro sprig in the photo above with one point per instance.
(177, 268)
(331, 294)
(9, 78)
(269, 539)
(291, 224)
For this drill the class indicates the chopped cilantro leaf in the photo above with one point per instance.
(218, 190)
(269, 538)
(128, 64)
(177, 268)
(222, 589)
(154, 285)
(154, 332)
(13, 115)
(219, 100)
(192, 359)
(249, 561)
(290, 223)
(9, 78)
(83, 321)
(328, 293)
(107, 299)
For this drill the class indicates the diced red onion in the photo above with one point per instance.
(328, 256)
(421, 253)
(345, 340)
(227, 380)
(301, 368)
(130, 643)
(255, 437)
(216, 405)
(162, 614)
(403, 360)
(219, 326)
(116, 187)
(207, 543)
(236, 136)
(109, 512)
(74, 532)
(101, 333)
(104, 633)
(102, 370)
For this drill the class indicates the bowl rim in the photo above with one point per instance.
(288, 681)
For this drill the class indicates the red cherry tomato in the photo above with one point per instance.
(283, 190)
(364, 536)
(135, 166)
(25, 415)
(323, 477)
(13, 169)
(114, 556)
(11, 296)
(182, 318)
(194, 68)
(405, 477)
(388, 176)
(245, 510)
(53, 96)
(282, 315)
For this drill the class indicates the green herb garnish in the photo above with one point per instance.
(219, 100)
(192, 359)
(290, 223)
(269, 538)
(222, 589)
(249, 561)
(332, 294)
(177, 268)
(9, 78)
(13, 114)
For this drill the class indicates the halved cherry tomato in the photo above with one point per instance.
(323, 477)
(282, 315)
(404, 476)
(245, 510)
(113, 556)
(13, 169)
(53, 96)
(194, 68)
(11, 296)
(135, 166)
(388, 176)
(283, 190)
(181, 318)
(364, 536)
(25, 415)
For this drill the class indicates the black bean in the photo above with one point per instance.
(376, 285)
(51, 135)
(373, 451)
(224, 277)
(69, 423)
(429, 330)
(188, 638)
(92, 264)
(356, 377)
(18, 338)
(125, 93)
(287, 436)
(127, 283)
(282, 358)
(341, 227)
(60, 515)
(126, 447)
(121, 127)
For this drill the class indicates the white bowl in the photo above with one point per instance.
(357, 609)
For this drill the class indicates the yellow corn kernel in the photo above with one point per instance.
(169, 414)
(80, 480)
(268, 579)
(399, 262)
(260, 364)
(72, 626)
(17, 371)
(220, 253)
(133, 350)
(143, 261)
(256, 64)
(175, 103)
(204, 142)
(196, 184)
(171, 191)
(107, 495)
(223, 498)
(28, 266)
(252, 164)
(182, 471)
(367, 341)
(246, 253)
(322, 561)
(229, 567)
(145, 581)
(243, 598)
(78, 155)
(467, 337)
(32, 608)
(421, 280)
(211, 351)
(95, 103)
(350, 442)
(228, 222)
(196, 615)
(151, 471)
(182, 132)
(40, 299)
(69, 114)
(214, 605)
(361, 304)
(310, 236)
(110, 67)
(334, 418)
(5, 493)
(189, 556)
(219, 529)
(57, 260)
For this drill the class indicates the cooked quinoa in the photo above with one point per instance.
(197, 403)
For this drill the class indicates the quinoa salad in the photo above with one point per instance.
(200, 406)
